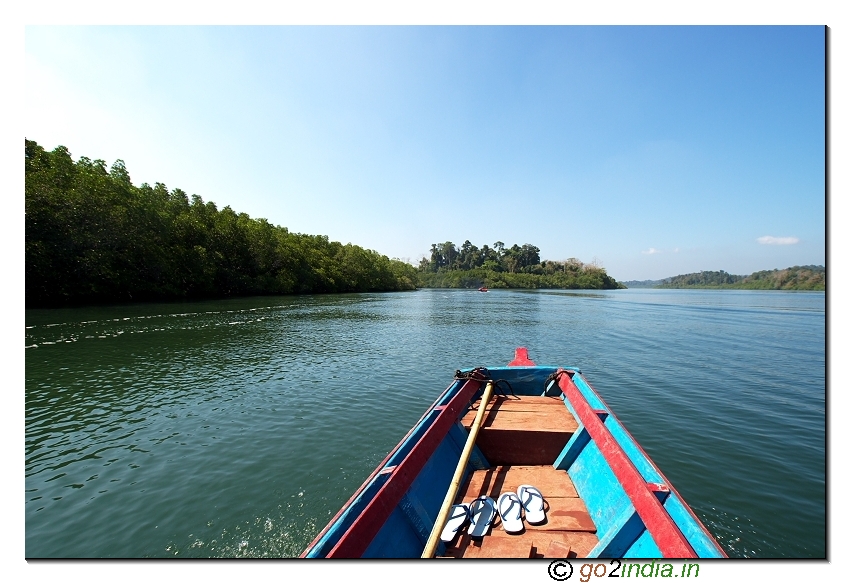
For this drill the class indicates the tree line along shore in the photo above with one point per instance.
(92, 237)
(796, 278)
(507, 267)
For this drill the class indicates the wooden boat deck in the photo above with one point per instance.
(522, 437)
(528, 431)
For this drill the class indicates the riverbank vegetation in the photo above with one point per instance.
(506, 267)
(93, 237)
(806, 277)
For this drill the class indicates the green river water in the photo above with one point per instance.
(238, 428)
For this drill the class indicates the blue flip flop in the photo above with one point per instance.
(532, 503)
(482, 510)
(510, 509)
(458, 515)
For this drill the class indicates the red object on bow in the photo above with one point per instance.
(521, 358)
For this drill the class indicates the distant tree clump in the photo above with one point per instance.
(94, 237)
(701, 279)
(506, 267)
(806, 277)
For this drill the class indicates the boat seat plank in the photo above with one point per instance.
(521, 403)
(544, 419)
(523, 430)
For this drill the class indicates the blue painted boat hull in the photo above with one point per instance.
(636, 511)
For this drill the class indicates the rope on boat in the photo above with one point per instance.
(478, 373)
(482, 374)
(497, 385)
(555, 377)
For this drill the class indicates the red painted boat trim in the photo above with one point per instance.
(521, 358)
(660, 525)
(359, 535)
(372, 476)
(667, 484)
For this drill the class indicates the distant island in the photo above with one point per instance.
(642, 283)
(801, 278)
(506, 267)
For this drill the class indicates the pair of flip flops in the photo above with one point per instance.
(511, 506)
(480, 514)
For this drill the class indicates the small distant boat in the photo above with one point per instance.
(537, 436)
(483, 289)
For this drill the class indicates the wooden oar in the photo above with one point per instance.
(442, 517)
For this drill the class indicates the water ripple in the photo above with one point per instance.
(238, 428)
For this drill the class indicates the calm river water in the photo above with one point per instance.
(238, 428)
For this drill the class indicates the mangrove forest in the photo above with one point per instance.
(93, 237)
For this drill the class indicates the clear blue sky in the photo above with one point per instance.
(652, 150)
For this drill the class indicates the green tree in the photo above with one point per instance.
(514, 267)
(91, 236)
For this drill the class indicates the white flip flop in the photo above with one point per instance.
(532, 503)
(458, 516)
(510, 509)
(482, 510)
